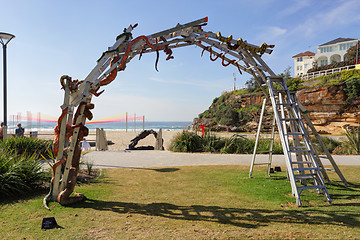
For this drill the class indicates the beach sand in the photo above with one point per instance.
(121, 139)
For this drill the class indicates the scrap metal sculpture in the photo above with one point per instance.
(76, 108)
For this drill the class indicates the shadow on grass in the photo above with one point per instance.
(240, 217)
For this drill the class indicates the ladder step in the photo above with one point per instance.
(311, 187)
(295, 133)
(298, 147)
(284, 104)
(305, 169)
(301, 162)
(305, 176)
(330, 169)
(323, 156)
(289, 119)
(300, 151)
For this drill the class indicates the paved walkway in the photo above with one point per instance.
(118, 159)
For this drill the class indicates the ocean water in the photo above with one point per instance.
(114, 126)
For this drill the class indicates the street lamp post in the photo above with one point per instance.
(4, 40)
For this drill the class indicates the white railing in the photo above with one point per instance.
(233, 89)
(312, 75)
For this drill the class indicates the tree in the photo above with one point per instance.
(252, 85)
(352, 53)
(286, 74)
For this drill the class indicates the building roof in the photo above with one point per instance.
(305, 54)
(338, 40)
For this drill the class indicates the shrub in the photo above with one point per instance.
(211, 143)
(237, 144)
(186, 141)
(20, 168)
(352, 87)
(353, 136)
(29, 146)
(294, 84)
(19, 174)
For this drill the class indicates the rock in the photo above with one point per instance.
(329, 110)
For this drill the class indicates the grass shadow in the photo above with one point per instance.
(240, 217)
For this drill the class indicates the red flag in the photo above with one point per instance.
(202, 127)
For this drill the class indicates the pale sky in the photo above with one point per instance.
(54, 38)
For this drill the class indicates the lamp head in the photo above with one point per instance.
(5, 38)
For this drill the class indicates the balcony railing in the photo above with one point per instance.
(312, 75)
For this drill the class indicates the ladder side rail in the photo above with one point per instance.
(252, 61)
(179, 27)
(60, 153)
(94, 73)
(263, 64)
(257, 70)
(234, 42)
(303, 112)
(296, 142)
(271, 144)
(257, 138)
(261, 85)
(328, 154)
(316, 154)
(227, 59)
(319, 181)
(248, 70)
(283, 142)
(74, 139)
(225, 49)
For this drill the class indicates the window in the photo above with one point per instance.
(326, 49)
(349, 45)
(299, 59)
(323, 62)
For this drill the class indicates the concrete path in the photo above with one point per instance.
(118, 159)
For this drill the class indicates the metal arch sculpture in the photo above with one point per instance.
(71, 128)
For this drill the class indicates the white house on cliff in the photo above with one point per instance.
(327, 53)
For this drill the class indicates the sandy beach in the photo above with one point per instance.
(121, 139)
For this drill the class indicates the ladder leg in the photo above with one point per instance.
(257, 138)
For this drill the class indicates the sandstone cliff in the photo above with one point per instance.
(329, 109)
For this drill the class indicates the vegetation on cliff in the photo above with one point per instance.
(235, 110)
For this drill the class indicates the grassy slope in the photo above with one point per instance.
(204, 202)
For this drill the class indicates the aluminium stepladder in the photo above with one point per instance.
(303, 170)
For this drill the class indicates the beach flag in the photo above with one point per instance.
(202, 127)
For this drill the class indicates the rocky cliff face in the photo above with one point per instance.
(329, 110)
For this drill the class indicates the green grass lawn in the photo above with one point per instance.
(202, 202)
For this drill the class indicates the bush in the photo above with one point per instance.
(19, 174)
(237, 144)
(352, 87)
(20, 168)
(212, 143)
(29, 146)
(294, 84)
(186, 141)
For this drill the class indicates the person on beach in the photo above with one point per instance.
(19, 132)
(1, 131)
